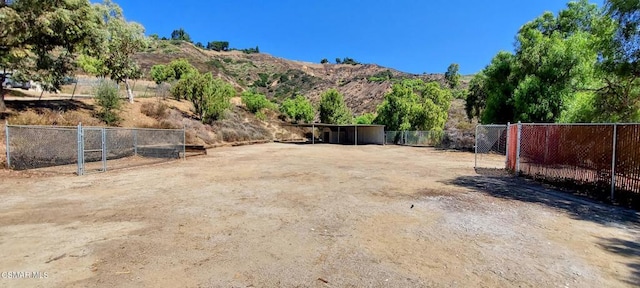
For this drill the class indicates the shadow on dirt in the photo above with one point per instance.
(627, 249)
(40, 105)
(498, 183)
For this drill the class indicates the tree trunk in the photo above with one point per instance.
(3, 107)
(129, 92)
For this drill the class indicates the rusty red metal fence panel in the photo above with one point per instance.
(566, 152)
(512, 147)
(601, 160)
(627, 164)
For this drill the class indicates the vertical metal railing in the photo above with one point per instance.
(104, 150)
(518, 148)
(135, 142)
(80, 150)
(613, 161)
(475, 147)
(6, 128)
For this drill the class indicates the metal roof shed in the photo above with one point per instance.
(356, 134)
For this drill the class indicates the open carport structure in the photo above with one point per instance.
(355, 134)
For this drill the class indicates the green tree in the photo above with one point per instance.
(619, 97)
(554, 61)
(453, 76)
(181, 67)
(200, 45)
(108, 99)
(218, 45)
(210, 96)
(333, 109)
(476, 96)
(338, 60)
(255, 101)
(173, 71)
(350, 61)
(324, 61)
(299, 109)
(122, 40)
(251, 50)
(40, 41)
(161, 73)
(415, 105)
(366, 118)
(624, 54)
(181, 35)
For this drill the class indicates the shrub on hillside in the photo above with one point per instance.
(157, 110)
(109, 102)
(366, 118)
(261, 116)
(333, 109)
(256, 102)
(210, 96)
(298, 109)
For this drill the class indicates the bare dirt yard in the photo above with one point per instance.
(287, 215)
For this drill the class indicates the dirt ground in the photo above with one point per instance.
(287, 215)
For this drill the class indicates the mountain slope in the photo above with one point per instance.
(281, 78)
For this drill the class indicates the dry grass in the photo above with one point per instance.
(157, 109)
(239, 125)
(49, 117)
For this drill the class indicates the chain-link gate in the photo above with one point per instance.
(83, 150)
(491, 146)
(93, 150)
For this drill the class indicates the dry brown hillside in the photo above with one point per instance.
(280, 78)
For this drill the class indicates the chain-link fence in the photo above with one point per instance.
(599, 160)
(414, 138)
(491, 146)
(84, 150)
(85, 87)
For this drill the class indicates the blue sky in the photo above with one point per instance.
(413, 36)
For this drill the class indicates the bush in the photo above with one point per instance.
(215, 63)
(381, 76)
(298, 109)
(333, 109)
(210, 96)
(366, 118)
(157, 110)
(261, 116)
(256, 102)
(263, 81)
(109, 101)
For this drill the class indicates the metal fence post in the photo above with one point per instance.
(135, 142)
(506, 149)
(104, 149)
(519, 140)
(80, 150)
(6, 127)
(475, 147)
(613, 161)
(184, 142)
(546, 144)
